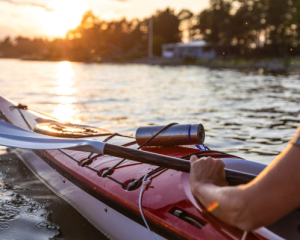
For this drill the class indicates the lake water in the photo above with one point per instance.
(249, 114)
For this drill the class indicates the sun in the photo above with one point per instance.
(66, 15)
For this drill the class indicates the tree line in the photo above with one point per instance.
(99, 40)
(252, 28)
(234, 28)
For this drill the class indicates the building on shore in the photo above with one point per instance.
(198, 49)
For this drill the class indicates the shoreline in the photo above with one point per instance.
(261, 65)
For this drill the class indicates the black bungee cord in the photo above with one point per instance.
(135, 183)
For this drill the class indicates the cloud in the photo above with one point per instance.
(30, 4)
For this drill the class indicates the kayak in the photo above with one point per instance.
(128, 199)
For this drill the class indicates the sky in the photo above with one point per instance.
(53, 18)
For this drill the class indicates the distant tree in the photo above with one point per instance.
(115, 40)
(277, 18)
(165, 29)
(7, 48)
(295, 25)
(26, 46)
(248, 21)
(185, 17)
(215, 23)
(251, 27)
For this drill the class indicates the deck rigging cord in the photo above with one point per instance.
(109, 171)
(145, 143)
(146, 182)
(134, 184)
(244, 235)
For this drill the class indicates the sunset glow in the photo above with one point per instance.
(53, 18)
(66, 15)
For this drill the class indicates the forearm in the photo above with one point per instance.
(271, 195)
(226, 203)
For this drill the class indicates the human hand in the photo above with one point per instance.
(207, 170)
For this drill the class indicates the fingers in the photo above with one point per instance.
(193, 159)
(205, 163)
(207, 170)
(219, 162)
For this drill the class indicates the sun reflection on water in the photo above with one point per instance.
(65, 110)
(64, 74)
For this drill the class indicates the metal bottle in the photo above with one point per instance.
(179, 134)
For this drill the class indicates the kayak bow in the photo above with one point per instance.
(107, 190)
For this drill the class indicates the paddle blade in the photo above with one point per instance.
(12, 136)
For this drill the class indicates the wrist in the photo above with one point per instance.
(198, 185)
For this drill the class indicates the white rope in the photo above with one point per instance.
(144, 185)
(244, 235)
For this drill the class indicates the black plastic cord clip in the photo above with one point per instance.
(88, 161)
(134, 184)
(107, 172)
(19, 106)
